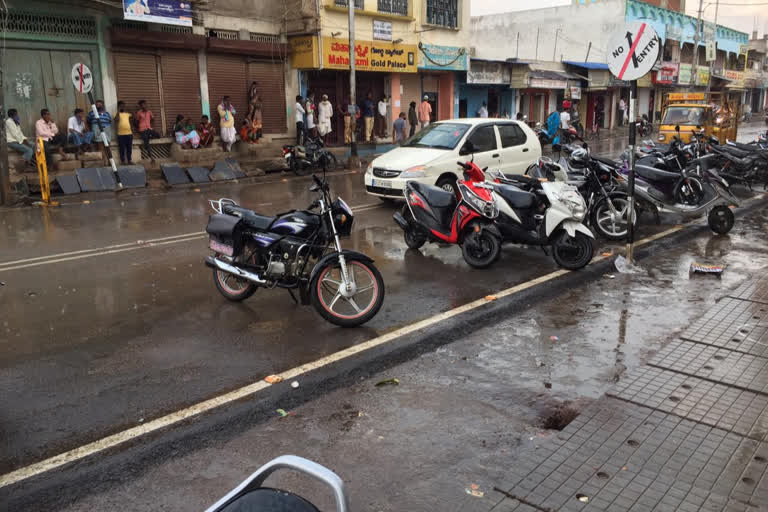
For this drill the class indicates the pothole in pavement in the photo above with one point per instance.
(602, 475)
(560, 416)
(761, 460)
(632, 443)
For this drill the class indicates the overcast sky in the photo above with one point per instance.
(744, 21)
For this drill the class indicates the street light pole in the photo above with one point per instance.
(354, 162)
(694, 68)
(712, 62)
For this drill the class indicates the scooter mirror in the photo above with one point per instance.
(266, 499)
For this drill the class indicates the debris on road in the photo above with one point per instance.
(388, 382)
(273, 379)
(474, 490)
(282, 412)
(490, 298)
(625, 267)
(553, 338)
(700, 268)
(295, 384)
(610, 276)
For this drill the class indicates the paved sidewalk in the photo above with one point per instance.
(688, 431)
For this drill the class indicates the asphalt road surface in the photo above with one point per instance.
(111, 320)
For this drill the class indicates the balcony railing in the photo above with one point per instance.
(444, 13)
(394, 7)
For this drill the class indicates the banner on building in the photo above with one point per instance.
(303, 51)
(484, 72)
(575, 93)
(684, 74)
(448, 58)
(382, 30)
(743, 49)
(702, 75)
(370, 56)
(736, 78)
(168, 12)
(711, 51)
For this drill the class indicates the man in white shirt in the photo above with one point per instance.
(622, 112)
(381, 118)
(15, 138)
(310, 110)
(565, 120)
(324, 115)
(483, 111)
(76, 131)
(299, 114)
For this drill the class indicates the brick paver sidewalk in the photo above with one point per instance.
(687, 432)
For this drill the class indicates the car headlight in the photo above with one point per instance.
(370, 169)
(418, 171)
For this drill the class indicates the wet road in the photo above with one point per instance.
(124, 334)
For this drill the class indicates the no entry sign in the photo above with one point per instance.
(633, 51)
(82, 78)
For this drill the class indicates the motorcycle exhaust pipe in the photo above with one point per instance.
(212, 262)
(400, 220)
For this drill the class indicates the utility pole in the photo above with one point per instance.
(589, 48)
(712, 63)
(5, 178)
(696, 38)
(537, 44)
(354, 161)
(554, 52)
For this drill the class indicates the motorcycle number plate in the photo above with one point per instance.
(382, 183)
(220, 247)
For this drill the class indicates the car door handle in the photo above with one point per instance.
(495, 155)
(525, 150)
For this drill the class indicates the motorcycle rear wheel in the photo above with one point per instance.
(481, 249)
(231, 287)
(330, 303)
(572, 253)
(413, 238)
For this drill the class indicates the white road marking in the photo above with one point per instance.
(117, 248)
(168, 420)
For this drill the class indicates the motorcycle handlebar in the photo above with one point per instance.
(463, 165)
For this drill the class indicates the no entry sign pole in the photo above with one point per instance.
(632, 54)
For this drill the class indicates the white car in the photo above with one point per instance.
(430, 156)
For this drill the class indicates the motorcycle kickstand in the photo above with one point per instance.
(295, 300)
(544, 248)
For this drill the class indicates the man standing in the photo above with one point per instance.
(227, 123)
(368, 113)
(76, 131)
(482, 112)
(49, 132)
(622, 110)
(565, 119)
(425, 110)
(299, 115)
(381, 118)
(324, 115)
(413, 119)
(15, 138)
(106, 123)
(144, 118)
(398, 129)
(310, 110)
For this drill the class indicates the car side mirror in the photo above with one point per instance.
(467, 149)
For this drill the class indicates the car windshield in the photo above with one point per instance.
(438, 136)
(684, 115)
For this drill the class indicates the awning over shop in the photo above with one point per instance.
(548, 79)
(586, 65)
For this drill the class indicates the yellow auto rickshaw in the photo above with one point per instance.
(692, 112)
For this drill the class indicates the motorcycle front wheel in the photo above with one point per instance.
(605, 223)
(480, 249)
(347, 309)
(572, 252)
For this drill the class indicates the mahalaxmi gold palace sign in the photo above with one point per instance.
(369, 56)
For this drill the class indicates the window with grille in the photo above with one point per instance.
(21, 22)
(345, 3)
(265, 38)
(443, 12)
(175, 29)
(224, 34)
(394, 7)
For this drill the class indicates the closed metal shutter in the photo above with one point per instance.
(227, 77)
(181, 87)
(136, 77)
(271, 80)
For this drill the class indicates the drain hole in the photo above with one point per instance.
(761, 460)
(686, 386)
(633, 443)
(743, 331)
(736, 340)
(602, 475)
(718, 358)
(582, 498)
(756, 317)
(748, 480)
(709, 367)
(674, 398)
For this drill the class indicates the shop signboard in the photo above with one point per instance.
(575, 93)
(370, 56)
(446, 58)
(668, 73)
(303, 52)
(483, 72)
(167, 12)
(684, 75)
(547, 83)
(736, 78)
(702, 75)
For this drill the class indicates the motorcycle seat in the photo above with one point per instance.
(653, 174)
(744, 147)
(515, 197)
(251, 218)
(435, 196)
(733, 151)
(606, 161)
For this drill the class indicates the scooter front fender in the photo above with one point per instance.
(572, 227)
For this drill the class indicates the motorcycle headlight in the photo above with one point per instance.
(487, 208)
(573, 201)
(418, 171)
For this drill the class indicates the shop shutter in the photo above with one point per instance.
(227, 77)
(181, 87)
(136, 76)
(271, 80)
